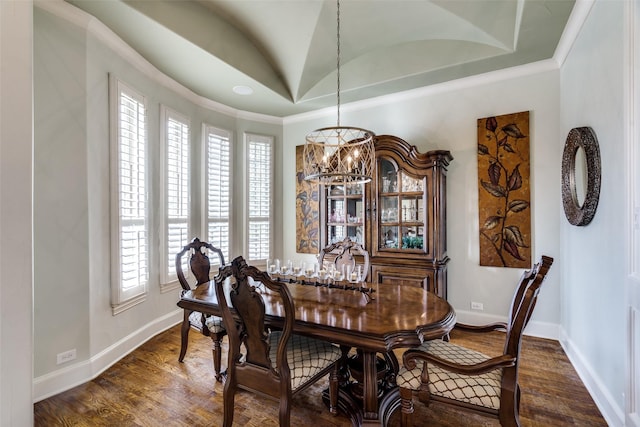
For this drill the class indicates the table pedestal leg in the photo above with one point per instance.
(370, 389)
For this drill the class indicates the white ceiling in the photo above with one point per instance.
(286, 50)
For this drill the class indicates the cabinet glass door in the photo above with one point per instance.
(401, 209)
(345, 213)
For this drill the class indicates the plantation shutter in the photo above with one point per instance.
(132, 195)
(259, 173)
(218, 182)
(176, 182)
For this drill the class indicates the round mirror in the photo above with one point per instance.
(580, 175)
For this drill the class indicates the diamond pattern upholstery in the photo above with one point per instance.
(213, 323)
(306, 357)
(480, 390)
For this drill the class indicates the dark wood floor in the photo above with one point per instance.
(150, 388)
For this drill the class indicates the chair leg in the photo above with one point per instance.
(509, 415)
(216, 350)
(184, 335)
(229, 394)
(285, 413)
(406, 405)
(334, 380)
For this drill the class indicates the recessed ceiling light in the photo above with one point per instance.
(243, 90)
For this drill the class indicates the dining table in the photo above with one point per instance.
(373, 319)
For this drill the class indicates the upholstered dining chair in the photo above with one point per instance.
(345, 253)
(349, 253)
(211, 326)
(275, 363)
(445, 372)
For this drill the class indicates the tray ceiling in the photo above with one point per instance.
(285, 50)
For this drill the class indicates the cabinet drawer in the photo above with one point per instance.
(410, 276)
(403, 276)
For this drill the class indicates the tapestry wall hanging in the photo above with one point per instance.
(307, 219)
(503, 191)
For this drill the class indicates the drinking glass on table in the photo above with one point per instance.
(310, 270)
(298, 268)
(273, 266)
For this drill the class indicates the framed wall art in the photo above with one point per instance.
(307, 210)
(503, 191)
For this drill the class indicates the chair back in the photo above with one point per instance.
(523, 303)
(249, 290)
(525, 279)
(345, 253)
(199, 262)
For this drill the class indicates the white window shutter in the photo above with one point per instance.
(218, 189)
(175, 191)
(130, 207)
(259, 195)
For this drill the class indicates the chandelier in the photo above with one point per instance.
(340, 154)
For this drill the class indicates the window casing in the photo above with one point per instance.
(259, 168)
(130, 207)
(217, 188)
(175, 191)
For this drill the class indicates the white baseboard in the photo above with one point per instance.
(70, 376)
(608, 406)
(534, 328)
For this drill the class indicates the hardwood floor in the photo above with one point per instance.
(149, 387)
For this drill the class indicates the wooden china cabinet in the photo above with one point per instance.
(399, 217)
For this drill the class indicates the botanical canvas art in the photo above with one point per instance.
(503, 191)
(307, 210)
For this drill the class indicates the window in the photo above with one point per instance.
(218, 188)
(259, 194)
(175, 138)
(151, 207)
(129, 198)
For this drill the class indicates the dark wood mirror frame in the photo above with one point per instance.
(585, 138)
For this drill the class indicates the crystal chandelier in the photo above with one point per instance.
(339, 155)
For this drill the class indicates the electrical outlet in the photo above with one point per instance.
(476, 306)
(66, 356)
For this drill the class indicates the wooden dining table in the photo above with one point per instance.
(386, 317)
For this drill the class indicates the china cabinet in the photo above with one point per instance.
(399, 217)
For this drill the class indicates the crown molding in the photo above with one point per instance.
(579, 14)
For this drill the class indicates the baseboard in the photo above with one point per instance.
(534, 328)
(79, 373)
(608, 406)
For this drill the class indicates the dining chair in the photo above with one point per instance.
(349, 253)
(275, 363)
(345, 253)
(445, 372)
(211, 326)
